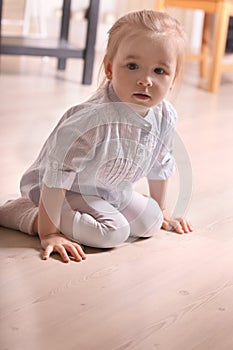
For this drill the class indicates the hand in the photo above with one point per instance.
(59, 243)
(178, 225)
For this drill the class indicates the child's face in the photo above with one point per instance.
(143, 69)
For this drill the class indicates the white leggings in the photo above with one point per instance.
(94, 222)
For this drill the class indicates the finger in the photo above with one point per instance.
(190, 226)
(177, 226)
(184, 225)
(61, 250)
(74, 252)
(80, 250)
(47, 252)
(172, 225)
(166, 225)
(178, 229)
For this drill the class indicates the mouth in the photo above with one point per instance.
(142, 96)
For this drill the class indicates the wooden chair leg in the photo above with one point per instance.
(205, 45)
(160, 5)
(220, 36)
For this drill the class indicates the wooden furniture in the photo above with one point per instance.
(222, 9)
(59, 48)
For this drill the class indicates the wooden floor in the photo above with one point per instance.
(169, 292)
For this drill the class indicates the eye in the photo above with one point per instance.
(159, 71)
(132, 66)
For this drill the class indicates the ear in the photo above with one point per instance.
(107, 68)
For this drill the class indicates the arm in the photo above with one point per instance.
(50, 205)
(158, 190)
(52, 240)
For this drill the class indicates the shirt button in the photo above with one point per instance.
(148, 126)
(55, 165)
(140, 151)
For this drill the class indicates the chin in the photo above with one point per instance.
(140, 109)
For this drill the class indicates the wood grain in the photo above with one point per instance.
(169, 292)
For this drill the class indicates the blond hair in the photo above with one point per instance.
(153, 23)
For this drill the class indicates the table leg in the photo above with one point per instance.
(64, 31)
(1, 3)
(92, 15)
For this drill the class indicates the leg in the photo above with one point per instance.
(89, 55)
(205, 45)
(19, 214)
(144, 215)
(92, 221)
(220, 38)
(160, 5)
(64, 33)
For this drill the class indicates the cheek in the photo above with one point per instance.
(164, 83)
(119, 85)
(119, 74)
(120, 80)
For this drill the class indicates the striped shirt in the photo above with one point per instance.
(102, 147)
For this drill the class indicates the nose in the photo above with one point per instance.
(145, 81)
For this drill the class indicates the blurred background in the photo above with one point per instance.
(41, 18)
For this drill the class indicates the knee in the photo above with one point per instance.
(154, 226)
(149, 222)
(105, 233)
(114, 233)
(115, 236)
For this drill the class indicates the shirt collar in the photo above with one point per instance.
(143, 122)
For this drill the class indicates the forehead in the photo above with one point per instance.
(142, 45)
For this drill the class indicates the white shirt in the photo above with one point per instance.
(102, 147)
